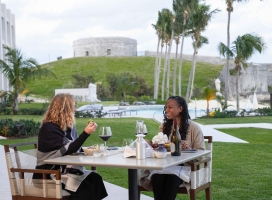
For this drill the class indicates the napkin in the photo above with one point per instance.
(130, 152)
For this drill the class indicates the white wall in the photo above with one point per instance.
(7, 37)
(79, 94)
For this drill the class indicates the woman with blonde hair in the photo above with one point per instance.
(58, 137)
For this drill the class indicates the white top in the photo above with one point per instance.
(118, 161)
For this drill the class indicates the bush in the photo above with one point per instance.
(84, 114)
(32, 111)
(21, 128)
(224, 114)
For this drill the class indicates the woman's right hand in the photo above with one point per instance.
(90, 128)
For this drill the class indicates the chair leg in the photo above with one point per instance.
(192, 194)
(139, 194)
(208, 193)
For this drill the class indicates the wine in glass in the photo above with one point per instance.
(105, 134)
(144, 129)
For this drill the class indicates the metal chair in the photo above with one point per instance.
(21, 166)
(201, 173)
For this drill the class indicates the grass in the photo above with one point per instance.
(99, 67)
(240, 171)
(235, 120)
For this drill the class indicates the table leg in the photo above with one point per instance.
(132, 184)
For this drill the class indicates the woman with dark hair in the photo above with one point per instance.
(58, 137)
(165, 183)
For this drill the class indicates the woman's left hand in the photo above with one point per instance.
(184, 145)
(90, 128)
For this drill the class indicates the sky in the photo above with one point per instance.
(46, 29)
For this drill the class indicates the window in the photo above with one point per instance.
(108, 52)
(87, 53)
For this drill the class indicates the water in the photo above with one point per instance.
(156, 111)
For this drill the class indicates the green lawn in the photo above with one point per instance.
(235, 120)
(240, 171)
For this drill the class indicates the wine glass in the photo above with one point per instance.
(126, 142)
(144, 129)
(105, 134)
(139, 127)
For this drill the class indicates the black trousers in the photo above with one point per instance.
(165, 186)
(92, 188)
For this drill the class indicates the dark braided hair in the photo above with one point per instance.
(168, 123)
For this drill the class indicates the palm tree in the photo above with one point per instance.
(159, 29)
(209, 94)
(183, 8)
(229, 10)
(19, 70)
(242, 50)
(167, 16)
(169, 56)
(198, 23)
(125, 85)
(197, 44)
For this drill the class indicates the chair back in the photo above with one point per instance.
(21, 162)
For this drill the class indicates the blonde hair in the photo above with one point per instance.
(61, 111)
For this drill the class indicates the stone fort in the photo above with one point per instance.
(105, 46)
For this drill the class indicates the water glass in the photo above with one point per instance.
(126, 142)
(98, 152)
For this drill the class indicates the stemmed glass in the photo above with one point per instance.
(144, 129)
(126, 142)
(139, 127)
(105, 134)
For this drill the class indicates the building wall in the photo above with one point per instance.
(207, 59)
(256, 77)
(105, 46)
(80, 94)
(7, 35)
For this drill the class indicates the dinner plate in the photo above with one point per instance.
(189, 151)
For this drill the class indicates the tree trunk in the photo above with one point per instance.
(237, 90)
(191, 79)
(169, 63)
(156, 82)
(270, 100)
(208, 108)
(180, 61)
(175, 71)
(159, 71)
(164, 72)
(15, 103)
(227, 64)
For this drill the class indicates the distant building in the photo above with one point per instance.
(105, 46)
(7, 35)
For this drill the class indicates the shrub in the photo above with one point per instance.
(21, 128)
(32, 111)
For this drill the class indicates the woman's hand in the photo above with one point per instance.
(184, 145)
(90, 128)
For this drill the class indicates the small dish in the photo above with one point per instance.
(89, 150)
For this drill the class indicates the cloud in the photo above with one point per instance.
(48, 28)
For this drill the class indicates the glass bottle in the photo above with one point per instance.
(175, 146)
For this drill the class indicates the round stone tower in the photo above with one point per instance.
(105, 46)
